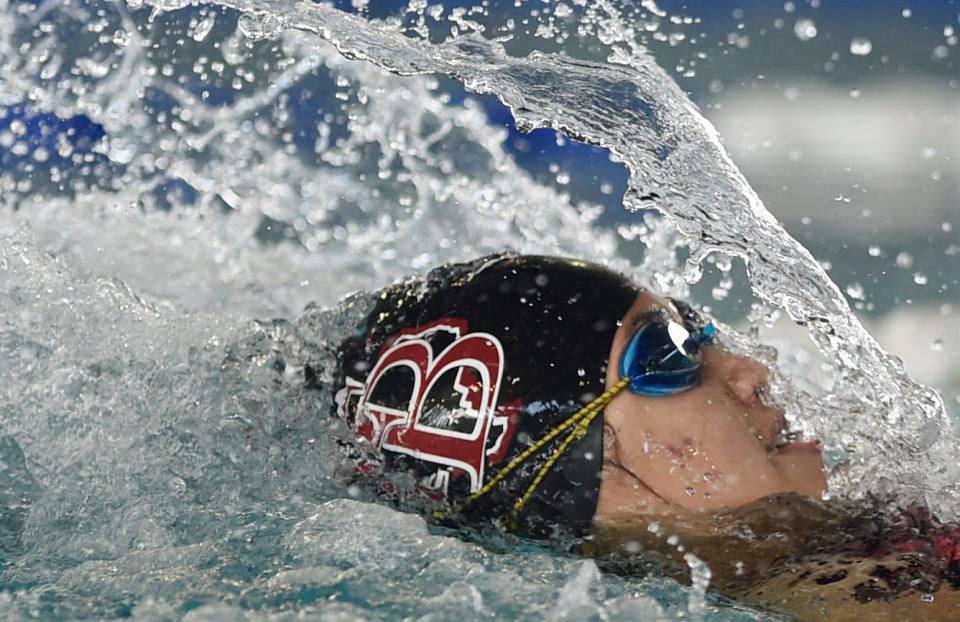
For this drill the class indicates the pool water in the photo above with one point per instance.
(188, 192)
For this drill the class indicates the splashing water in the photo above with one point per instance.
(637, 112)
(165, 463)
(160, 452)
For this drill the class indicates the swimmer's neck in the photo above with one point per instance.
(728, 541)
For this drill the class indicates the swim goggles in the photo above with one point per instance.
(663, 356)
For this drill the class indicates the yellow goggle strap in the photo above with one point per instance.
(579, 420)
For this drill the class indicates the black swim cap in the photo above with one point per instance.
(454, 375)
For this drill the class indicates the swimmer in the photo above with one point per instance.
(557, 400)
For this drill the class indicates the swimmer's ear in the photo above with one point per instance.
(611, 445)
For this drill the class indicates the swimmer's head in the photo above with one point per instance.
(552, 394)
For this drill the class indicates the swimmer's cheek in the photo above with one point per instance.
(710, 477)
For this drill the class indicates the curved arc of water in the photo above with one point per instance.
(662, 138)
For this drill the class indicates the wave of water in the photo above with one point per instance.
(161, 453)
(678, 165)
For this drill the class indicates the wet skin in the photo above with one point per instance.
(715, 446)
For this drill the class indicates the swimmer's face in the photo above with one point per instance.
(716, 445)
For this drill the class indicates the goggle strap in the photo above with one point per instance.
(588, 413)
(578, 431)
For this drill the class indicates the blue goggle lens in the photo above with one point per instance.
(663, 358)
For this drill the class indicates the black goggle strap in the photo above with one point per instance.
(579, 420)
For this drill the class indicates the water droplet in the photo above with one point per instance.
(874, 250)
(937, 345)
(906, 12)
(134, 5)
(204, 27)
(805, 29)
(904, 260)
(690, 491)
(860, 46)
(563, 10)
(121, 37)
(920, 278)
(855, 291)
(632, 547)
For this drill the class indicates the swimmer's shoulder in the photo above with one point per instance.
(837, 587)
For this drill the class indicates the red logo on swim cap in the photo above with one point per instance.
(464, 434)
